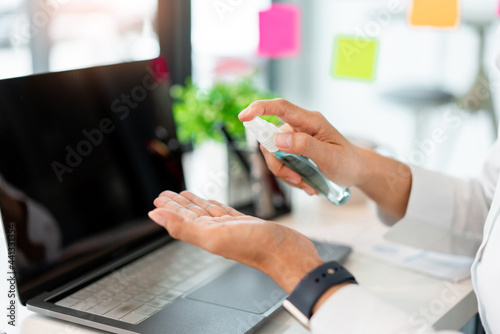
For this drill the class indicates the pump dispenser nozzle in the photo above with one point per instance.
(264, 132)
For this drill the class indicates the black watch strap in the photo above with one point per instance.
(303, 298)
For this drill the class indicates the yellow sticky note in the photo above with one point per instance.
(355, 58)
(435, 13)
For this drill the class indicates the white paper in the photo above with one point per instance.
(444, 266)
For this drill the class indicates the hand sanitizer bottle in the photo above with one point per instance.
(305, 167)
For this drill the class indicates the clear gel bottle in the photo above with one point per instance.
(305, 167)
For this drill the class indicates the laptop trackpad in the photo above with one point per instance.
(242, 288)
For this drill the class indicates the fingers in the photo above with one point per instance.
(326, 156)
(301, 119)
(302, 144)
(286, 174)
(287, 128)
(178, 227)
(212, 209)
(169, 199)
(279, 169)
(194, 204)
(174, 207)
(229, 210)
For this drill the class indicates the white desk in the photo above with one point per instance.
(442, 304)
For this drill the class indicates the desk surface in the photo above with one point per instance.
(439, 303)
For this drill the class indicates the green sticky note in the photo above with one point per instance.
(355, 58)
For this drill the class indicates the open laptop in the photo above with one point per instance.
(83, 154)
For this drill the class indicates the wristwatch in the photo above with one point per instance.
(305, 295)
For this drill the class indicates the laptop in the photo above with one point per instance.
(83, 154)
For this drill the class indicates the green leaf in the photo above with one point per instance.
(198, 112)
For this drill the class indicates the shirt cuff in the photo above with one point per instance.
(429, 219)
(353, 310)
(427, 189)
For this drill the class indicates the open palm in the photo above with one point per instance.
(281, 252)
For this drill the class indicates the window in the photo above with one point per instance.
(53, 35)
(225, 38)
(15, 54)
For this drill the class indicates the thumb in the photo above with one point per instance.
(302, 144)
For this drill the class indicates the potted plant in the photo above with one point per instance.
(199, 112)
(212, 171)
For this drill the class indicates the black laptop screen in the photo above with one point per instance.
(83, 154)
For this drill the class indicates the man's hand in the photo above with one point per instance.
(308, 133)
(282, 253)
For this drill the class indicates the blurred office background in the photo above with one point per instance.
(38, 36)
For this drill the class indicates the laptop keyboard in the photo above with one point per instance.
(146, 286)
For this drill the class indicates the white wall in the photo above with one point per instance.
(408, 57)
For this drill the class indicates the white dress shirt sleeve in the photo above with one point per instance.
(444, 214)
(353, 310)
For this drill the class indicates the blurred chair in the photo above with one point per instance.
(422, 100)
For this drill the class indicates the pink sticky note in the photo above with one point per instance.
(280, 31)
